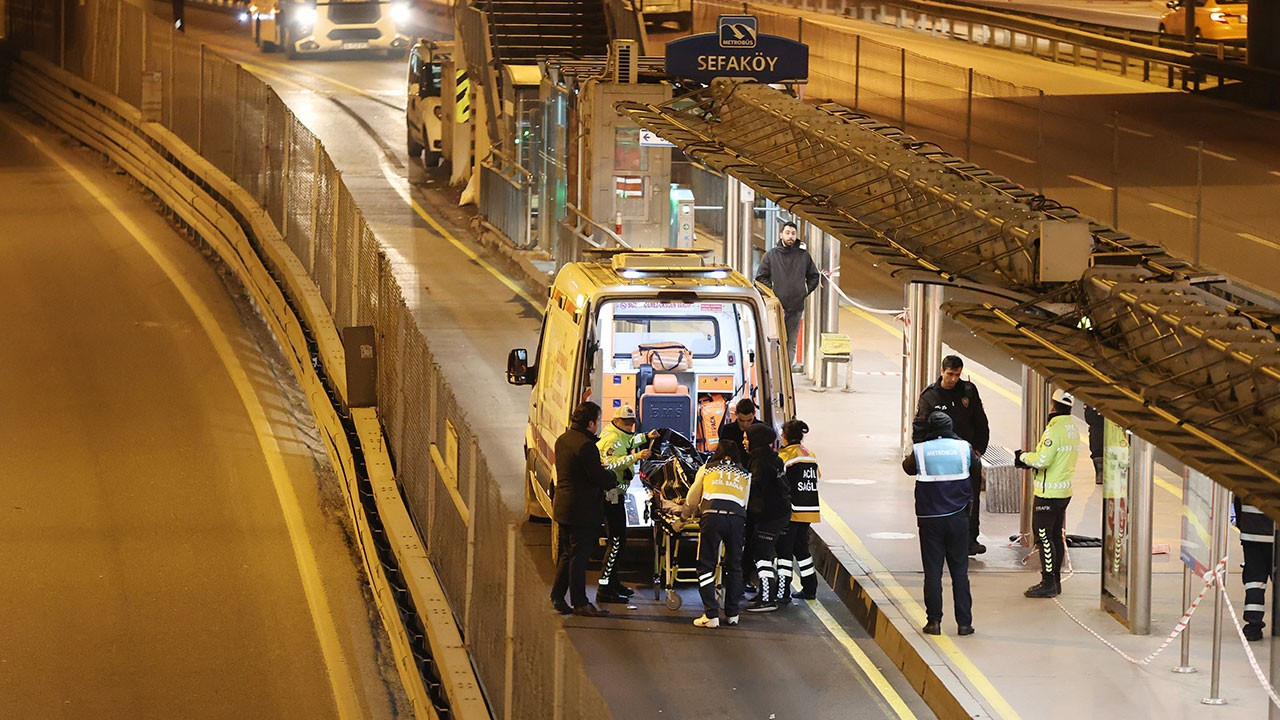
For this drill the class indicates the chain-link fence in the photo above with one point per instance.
(467, 522)
(1147, 181)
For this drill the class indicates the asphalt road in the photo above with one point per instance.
(650, 661)
(170, 519)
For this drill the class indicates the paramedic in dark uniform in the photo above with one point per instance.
(1257, 534)
(959, 399)
(793, 545)
(942, 463)
(720, 493)
(769, 509)
(578, 508)
(621, 447)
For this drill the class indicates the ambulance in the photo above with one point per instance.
(678, 338)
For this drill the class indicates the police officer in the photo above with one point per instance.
(578, 508)
(769, 510)
(720, 492)
(1257, 534)
(793, 545)
(959, 399)
(943, 463)
(619, 452)
(1053, 463)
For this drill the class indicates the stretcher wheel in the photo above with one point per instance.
(673, 600)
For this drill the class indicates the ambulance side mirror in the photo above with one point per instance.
(518, 370)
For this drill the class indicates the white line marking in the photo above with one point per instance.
(1274, 172)
(1139, 133)
(340, 680)
(1017, 157)
(1089, 182)
(1211, 153)
(1260, 241)
(1168, 209)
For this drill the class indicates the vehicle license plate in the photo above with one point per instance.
(355, 45)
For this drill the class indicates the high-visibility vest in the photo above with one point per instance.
(1054, 460)
(803, 475)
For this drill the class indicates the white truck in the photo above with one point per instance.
(304, 27)
(423, 113)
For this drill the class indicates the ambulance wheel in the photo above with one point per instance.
(674, 600)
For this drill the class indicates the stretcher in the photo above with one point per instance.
(675, 556)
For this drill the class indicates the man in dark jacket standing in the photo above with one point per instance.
(788, 270)
(959, 399)
(943, 465)
(578, 508)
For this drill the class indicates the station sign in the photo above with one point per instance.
(648, 138)
(737, 50)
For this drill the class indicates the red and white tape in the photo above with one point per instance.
(1248, 651)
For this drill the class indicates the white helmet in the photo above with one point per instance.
(626, 412)
(1064, 397)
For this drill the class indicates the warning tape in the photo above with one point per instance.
(829, 275)
(1248, 651)
(1210, 579)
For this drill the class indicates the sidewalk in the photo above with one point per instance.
(1028, 658)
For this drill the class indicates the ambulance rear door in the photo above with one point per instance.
(781, 394)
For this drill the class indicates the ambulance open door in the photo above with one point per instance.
(781, 395)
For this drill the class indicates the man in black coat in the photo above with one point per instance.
(578, 508)
(788, 270)
(959, 399)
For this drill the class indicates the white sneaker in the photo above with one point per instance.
(731, 620)
(706, 622)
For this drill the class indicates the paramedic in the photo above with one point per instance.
(943, 463)
(619, 454)
(959, 399)
(788, 270)
(1052, 463)
(1257, 533)
(720, 490)
(769, 509)
(578, 508)
(793, 545)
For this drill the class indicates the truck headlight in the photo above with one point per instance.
(400, 13)
(305, 16)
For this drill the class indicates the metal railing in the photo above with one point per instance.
(579, 233)
(467, 514)
(507, 193)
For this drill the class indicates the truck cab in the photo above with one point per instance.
(722, 336)
(423, 109)
(304, 27)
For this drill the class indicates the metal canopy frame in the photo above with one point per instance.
(1142, 336)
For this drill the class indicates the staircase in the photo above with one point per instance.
(520, 31)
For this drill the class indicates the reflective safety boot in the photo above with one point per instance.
(783, 596)
(1047, 588)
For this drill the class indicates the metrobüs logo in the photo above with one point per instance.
(737, 31)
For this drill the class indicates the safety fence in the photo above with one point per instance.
(466, 519)
(1143, 179)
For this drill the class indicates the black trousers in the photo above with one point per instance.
(764, 551)
(1257, 568)
(794, 557)
(791, 320)
(615, 528)
(572, 555)
(714, 530)
(975, 505)
(1048, 520)
(946, 539)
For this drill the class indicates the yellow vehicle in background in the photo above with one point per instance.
(666, 332)
(1214, 20)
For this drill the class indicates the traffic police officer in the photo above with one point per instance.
(1053, 463)
(619, 454)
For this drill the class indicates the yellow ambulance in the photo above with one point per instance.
(678, 338)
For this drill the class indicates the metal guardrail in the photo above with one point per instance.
(583, 233)
(506, 189)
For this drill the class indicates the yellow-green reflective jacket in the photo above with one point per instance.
(1053, 462)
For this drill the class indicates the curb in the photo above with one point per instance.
(920, 662)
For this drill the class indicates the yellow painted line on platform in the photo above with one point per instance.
(1139, 133)
(901, 597)
(1261, 241)
(1016, 156)
(313, 587)
(1089, 182)
(1168, 487)
(891, 696)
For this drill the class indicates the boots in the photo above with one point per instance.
(1097, 471)
(765, 602)
(783, 596)
(808, 587)
(1049, 587)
